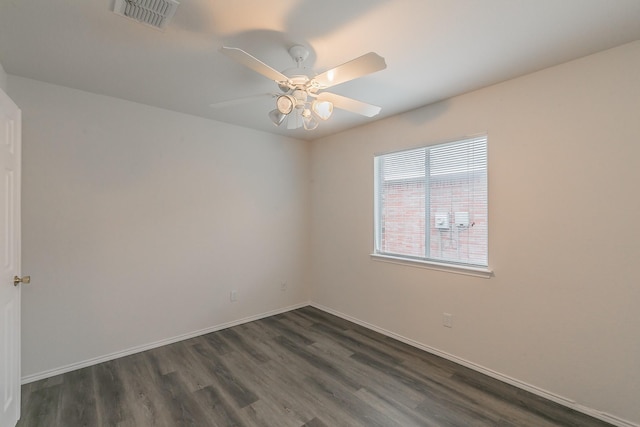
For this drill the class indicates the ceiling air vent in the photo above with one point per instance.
(155, 13)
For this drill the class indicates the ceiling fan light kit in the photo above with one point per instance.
(304, 100)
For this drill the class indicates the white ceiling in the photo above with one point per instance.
(434, 49)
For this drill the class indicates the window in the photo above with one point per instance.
(431, 204)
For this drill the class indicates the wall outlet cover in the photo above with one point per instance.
(447, 320)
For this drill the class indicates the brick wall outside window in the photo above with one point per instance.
(403, 218)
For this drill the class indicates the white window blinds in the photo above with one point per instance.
(431, 203)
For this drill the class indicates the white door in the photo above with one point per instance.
(10, 152)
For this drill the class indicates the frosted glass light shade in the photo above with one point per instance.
(276, 117)
(310, 122)
(323, 109)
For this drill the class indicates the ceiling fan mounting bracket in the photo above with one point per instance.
(299, 53)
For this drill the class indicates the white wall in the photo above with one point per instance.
(561, 313)
(137, 223)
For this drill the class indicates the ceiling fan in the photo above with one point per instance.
(302, 99)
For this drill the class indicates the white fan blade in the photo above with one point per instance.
(349, 104)
(254, 63)
(361, 66)
(241, 100)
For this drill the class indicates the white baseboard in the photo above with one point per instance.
(138, 349)
(611, 419)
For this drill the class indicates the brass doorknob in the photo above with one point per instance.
(25, 279)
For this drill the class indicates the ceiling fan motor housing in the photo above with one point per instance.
(299, 77)
(301, 97)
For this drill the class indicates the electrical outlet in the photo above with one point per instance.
(233, 296)
(447, 320)
(283, 286)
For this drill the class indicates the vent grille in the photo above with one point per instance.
(155, 13)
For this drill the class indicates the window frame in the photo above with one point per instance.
(425, 262)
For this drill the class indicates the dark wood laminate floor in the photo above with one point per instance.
(301, 368)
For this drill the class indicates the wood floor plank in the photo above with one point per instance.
(398, 413)
(43, 404)
(408, 356)
(288, 331)
(356, 344)
(224, 379)
(348, 402)
(192, 373)
(376, 381)
(142, 393)
(238, 343)
(303, 368)
(299, 373)
(266, 413)
(180, 406)
(280, 391)
(292, 373)
(320, 316)
(77, 399)
(257, 331)
(109, 394)
(316, 422)
(314, 361)
(218, 409)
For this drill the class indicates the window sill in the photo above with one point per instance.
(431, 265)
